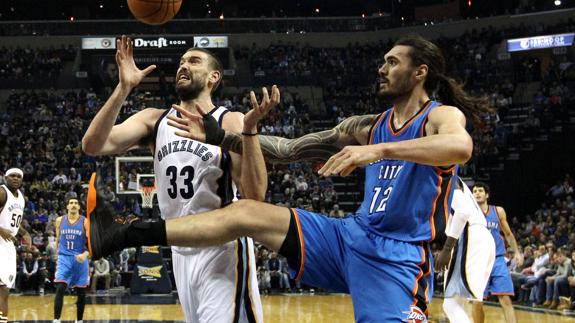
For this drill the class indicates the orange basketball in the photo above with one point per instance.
(154, 12)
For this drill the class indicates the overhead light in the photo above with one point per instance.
(557, 3)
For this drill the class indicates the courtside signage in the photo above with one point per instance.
(540, 42)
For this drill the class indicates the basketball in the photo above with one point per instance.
(154, 12)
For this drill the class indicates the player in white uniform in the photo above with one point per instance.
(472, 260)
(11, 212)
(216, 284)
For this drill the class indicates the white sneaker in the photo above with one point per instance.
(80, 321)
(56, 321)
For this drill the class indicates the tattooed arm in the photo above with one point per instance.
(317, 146)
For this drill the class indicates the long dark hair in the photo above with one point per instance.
(447, 89)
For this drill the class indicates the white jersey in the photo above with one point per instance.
(13, 211)
(215, 284)
(10, 219)
(473, 258)
(191, 177)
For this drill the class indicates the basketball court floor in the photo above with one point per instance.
(277, 308)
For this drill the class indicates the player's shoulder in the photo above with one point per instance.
(443, 110)
(499, 210)
(151, 114)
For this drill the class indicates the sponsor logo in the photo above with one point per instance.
(415, 315)
(150, 249)
(211, 41)
(106, 42)
(158, 43)
(11, 278)
(148, 272)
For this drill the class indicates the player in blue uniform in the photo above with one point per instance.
(500, 282)
(380, 255)
(72, 268)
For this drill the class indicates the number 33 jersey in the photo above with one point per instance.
(191, 176)
(13, 211)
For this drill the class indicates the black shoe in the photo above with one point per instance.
(105, 234)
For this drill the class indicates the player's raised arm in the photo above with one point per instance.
(317, 146)
(254, 175)
(102, 137)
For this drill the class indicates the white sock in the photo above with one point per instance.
(455, 311)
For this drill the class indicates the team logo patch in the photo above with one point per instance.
(415, 315)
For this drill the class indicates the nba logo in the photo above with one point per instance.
(415, 315)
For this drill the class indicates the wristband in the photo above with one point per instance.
(250, 134)
(214, 133)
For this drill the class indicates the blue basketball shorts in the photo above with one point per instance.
(500, 282)
(71, 272)
(389, 280)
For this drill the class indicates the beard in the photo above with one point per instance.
(395, 90)
(193, 89)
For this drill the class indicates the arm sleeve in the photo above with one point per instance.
(462, 212)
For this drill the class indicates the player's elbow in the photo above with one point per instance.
(463, 151)
(89, 147)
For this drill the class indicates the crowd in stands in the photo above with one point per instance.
(41, 132)
(33, 65)
(547, 240)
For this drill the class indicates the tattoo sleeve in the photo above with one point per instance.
(317, 146)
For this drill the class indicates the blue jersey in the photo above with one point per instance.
(403, 200)
(494, 226)
(72, 236)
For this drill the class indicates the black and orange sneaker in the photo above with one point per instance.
(105, 233)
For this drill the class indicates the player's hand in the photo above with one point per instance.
(442, 260)
(130, 75)
(81, 258)
(204, 127)
(349, 158)
(260, 110)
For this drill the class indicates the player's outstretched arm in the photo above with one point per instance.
(447, 143)
(254, 175)
(317, 146)
(102, 137)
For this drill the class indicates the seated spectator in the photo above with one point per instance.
(569, 302)
(558, 280)
(101, 270)
(276, 270)
(30, 279)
